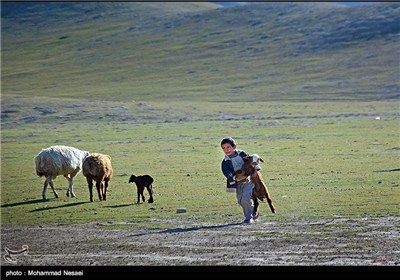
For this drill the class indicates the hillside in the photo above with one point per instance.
(313, 88)
(201, 51)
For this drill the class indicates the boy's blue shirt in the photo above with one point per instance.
(227, 170)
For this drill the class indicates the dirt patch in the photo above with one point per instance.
(366, 241)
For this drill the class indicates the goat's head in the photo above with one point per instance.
(252, 161)
(249, 167)
(257, 158)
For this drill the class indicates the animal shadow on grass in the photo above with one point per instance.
(178, 230)
(22, 203)
(118, 206)
(60, 206)
(390, 170)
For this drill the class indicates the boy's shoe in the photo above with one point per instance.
(248, 221)
(231, 187)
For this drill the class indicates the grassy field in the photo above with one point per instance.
(157, 88)
(333, 159)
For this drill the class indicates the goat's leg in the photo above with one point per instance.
(256, 206)
(269, 199)
(271, 206)
(150, 190)
(90, 186)
(263, 190)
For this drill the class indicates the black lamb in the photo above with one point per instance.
(144, 181)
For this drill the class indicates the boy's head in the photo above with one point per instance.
(228, 140)
(228, 145)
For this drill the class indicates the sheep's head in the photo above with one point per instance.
(132, 179)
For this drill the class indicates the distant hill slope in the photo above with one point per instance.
(183, 50)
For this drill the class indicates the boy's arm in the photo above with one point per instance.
(227, 173)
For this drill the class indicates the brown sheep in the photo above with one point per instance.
(98, 167)
(260, 191)
(144, 181)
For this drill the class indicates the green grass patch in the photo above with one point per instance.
(322, 160)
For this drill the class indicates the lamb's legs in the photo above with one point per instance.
(150, 190)
(140, 194)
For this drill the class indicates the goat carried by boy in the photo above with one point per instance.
(251, 169)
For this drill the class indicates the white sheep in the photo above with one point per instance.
(59, 160)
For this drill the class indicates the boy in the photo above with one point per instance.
(232, 162)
